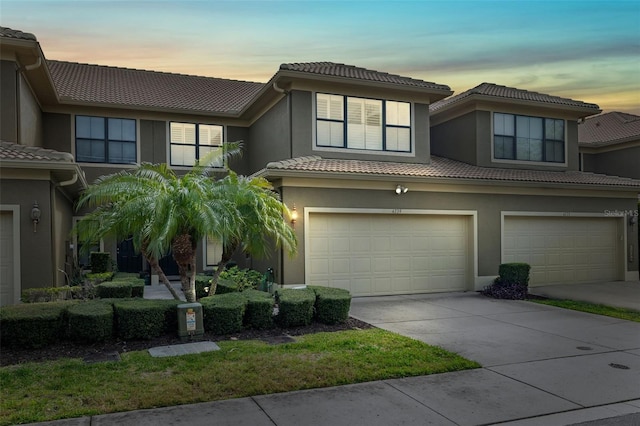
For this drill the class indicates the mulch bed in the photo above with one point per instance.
(95, 350)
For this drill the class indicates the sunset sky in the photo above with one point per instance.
(586, 50)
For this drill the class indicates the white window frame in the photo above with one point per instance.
(200, 149)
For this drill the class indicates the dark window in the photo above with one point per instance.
(523, 138)
(105, 140)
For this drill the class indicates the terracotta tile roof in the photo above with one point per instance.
(349, 71)
(510, 93)
(9, 33)
(609, 129)
(149, 89)
(445, 168)
(12, 151)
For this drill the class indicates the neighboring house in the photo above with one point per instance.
(610, 144)
(400, 187)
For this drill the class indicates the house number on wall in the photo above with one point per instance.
(396, 211)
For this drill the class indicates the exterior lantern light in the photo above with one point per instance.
(35, 215)
(294, 215)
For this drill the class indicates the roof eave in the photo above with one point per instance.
(74, 102)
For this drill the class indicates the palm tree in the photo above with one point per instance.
(162, 211)
(259, 223)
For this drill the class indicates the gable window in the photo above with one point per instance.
(362, 123)
(105, 140)
(524, 138)
(191, 142)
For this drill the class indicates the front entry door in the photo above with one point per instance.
(128, 259)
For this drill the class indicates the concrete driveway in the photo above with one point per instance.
(622, 294)
(537, 359)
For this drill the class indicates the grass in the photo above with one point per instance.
(622, 313)
(68, 388)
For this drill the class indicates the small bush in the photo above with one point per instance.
(145, 319)
(517, 273)
(33, 325)
(243, 278)
(100, 262)
(223, 313)
(51, 294)
(332, 304)
(90, 321)
(226, 286)
(100, 277)
(295, 306)
(202, 286)
(118, 289)
(137, 285)
(259, 312)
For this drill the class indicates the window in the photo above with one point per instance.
(105, 140)
(370, 124)
(191, 142)
(213, 251)
(523, 138)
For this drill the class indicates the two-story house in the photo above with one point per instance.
(399, 187)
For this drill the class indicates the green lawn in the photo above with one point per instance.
(622, 313)
(70, 388)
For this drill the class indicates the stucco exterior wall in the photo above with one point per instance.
(30, 117)
(456, 139)
(62, 219)
(36, 267)
(269, 137)
(488, 207)
(8, 102)
(622, 162)
(153, 141)
(57, 131)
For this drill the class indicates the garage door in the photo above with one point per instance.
(7, 293)
(382, 254)
(563, 250)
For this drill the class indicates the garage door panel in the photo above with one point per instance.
(390, 254)
(563, 250)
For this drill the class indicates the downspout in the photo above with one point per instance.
(54, 235)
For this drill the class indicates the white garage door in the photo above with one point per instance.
(381, 254)
(564, 250)
(7, 293)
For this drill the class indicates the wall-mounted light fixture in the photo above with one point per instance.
(294, 215)
(35, 215)
(633, 220)
(400, 189)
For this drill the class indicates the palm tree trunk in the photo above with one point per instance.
(184, 247)
(226, 257)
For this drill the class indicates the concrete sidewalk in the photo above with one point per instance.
(541, 366)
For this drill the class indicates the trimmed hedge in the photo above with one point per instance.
(33, 325)
(90, 321)
(332, 304)
(295, 306)
(223, 313)
(137, 285)
(202, 283)
(226, 286)
(51, 294)
(145, 319)
(100, 277)
(117, 289)
(244, 279)
(513, 282)
(516, 273)
(259, 312)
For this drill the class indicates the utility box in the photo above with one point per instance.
(190, 323)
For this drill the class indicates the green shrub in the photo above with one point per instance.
(33, 325)
(90, 321)
(243, 278)
(226, 286)
(202, 286)
(100, 277)
(295, 306)
(51, 294)
(126, 275)
(332, 304)
(137, 285)
(515, 273)
(223, 313)
(100, 262)
(118, 289)
(145, 319)
(259, 312)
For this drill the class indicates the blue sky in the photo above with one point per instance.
(586, 50)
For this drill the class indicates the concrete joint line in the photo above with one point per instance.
(263, 410)
(386, 382)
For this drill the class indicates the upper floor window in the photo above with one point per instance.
(361, 123)
(105, 140)
(191, 142)
(519, 137)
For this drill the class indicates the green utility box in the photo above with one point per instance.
(190, 324)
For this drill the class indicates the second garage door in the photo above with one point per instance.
(382, 254)
(564, 250)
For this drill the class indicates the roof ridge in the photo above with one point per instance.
(151, 71)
